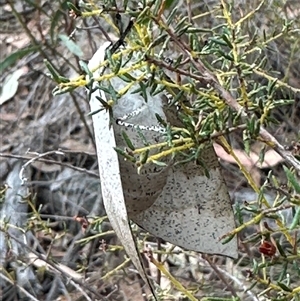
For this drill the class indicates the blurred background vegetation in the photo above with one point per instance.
(56, 243)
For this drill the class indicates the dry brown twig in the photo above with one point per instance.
(221, 273)
(58, 269)
(39, 158)
(24, 291)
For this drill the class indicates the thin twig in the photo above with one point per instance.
(18, 286)
(56, 268)
(24, 166)
(39, 159)
(219, 274)
(237, 281)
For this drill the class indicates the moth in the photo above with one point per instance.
(176, 202)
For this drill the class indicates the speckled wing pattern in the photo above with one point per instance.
(193, 211)
(140, 190)
(176, 203)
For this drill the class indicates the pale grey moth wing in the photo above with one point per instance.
(176, 203)
(193, 211)
(140, 189)
(111, 184)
